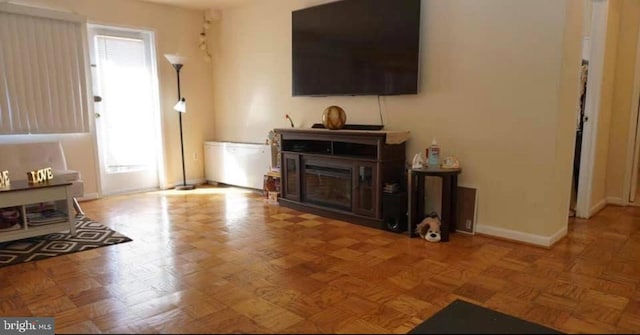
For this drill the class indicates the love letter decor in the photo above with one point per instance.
(40, 176)
(4, 179)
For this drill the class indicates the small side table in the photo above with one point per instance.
(415, 189)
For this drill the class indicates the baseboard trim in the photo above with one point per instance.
(518, 236)
(89, 196)
(558, 235)
(616, 201)
(597, 207)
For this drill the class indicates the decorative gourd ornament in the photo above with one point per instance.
(334, 117)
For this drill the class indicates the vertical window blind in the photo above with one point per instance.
(43, 71)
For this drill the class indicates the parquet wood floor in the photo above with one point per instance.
(222, 260)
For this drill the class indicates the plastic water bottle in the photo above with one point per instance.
(434, 154)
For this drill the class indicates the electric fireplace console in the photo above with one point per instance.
(342, 174)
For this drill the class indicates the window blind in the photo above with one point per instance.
(43, 72)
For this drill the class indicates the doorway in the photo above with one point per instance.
(594, 38)
(633, 181)
(127, 110)
(584, 70)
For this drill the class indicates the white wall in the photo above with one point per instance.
(495, 83)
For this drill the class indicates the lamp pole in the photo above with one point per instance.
(177, 63)
(184, 174)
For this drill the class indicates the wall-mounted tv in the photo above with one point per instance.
(356, 47)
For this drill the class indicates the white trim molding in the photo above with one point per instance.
(89, 196)
(518, 236)
(597, 207)
(616, 201)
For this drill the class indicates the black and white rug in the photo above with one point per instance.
(89, 235)
(461, 317)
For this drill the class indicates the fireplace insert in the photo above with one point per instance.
(328, 185)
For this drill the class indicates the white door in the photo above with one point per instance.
(127, 117)
(599, 13)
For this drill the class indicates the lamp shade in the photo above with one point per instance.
(181, 106)
(175, 59)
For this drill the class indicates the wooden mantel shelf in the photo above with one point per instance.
(391, 136)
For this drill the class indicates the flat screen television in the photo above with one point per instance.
(356, 47)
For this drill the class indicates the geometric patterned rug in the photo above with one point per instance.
(89, 235)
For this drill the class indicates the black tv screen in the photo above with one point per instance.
(356, 47)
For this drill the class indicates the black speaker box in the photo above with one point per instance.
(394, 211)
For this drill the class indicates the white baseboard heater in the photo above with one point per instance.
(237, 164)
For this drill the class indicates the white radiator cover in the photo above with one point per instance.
(237, 164)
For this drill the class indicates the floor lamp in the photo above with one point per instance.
(180, 107)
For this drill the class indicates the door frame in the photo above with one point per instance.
(633, 142)
(158, 121)
(598, 32)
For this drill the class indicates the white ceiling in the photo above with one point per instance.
(202, 4)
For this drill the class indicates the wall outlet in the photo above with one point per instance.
(467, 199)
(195, 156)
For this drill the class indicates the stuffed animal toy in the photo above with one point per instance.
(429, 228)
